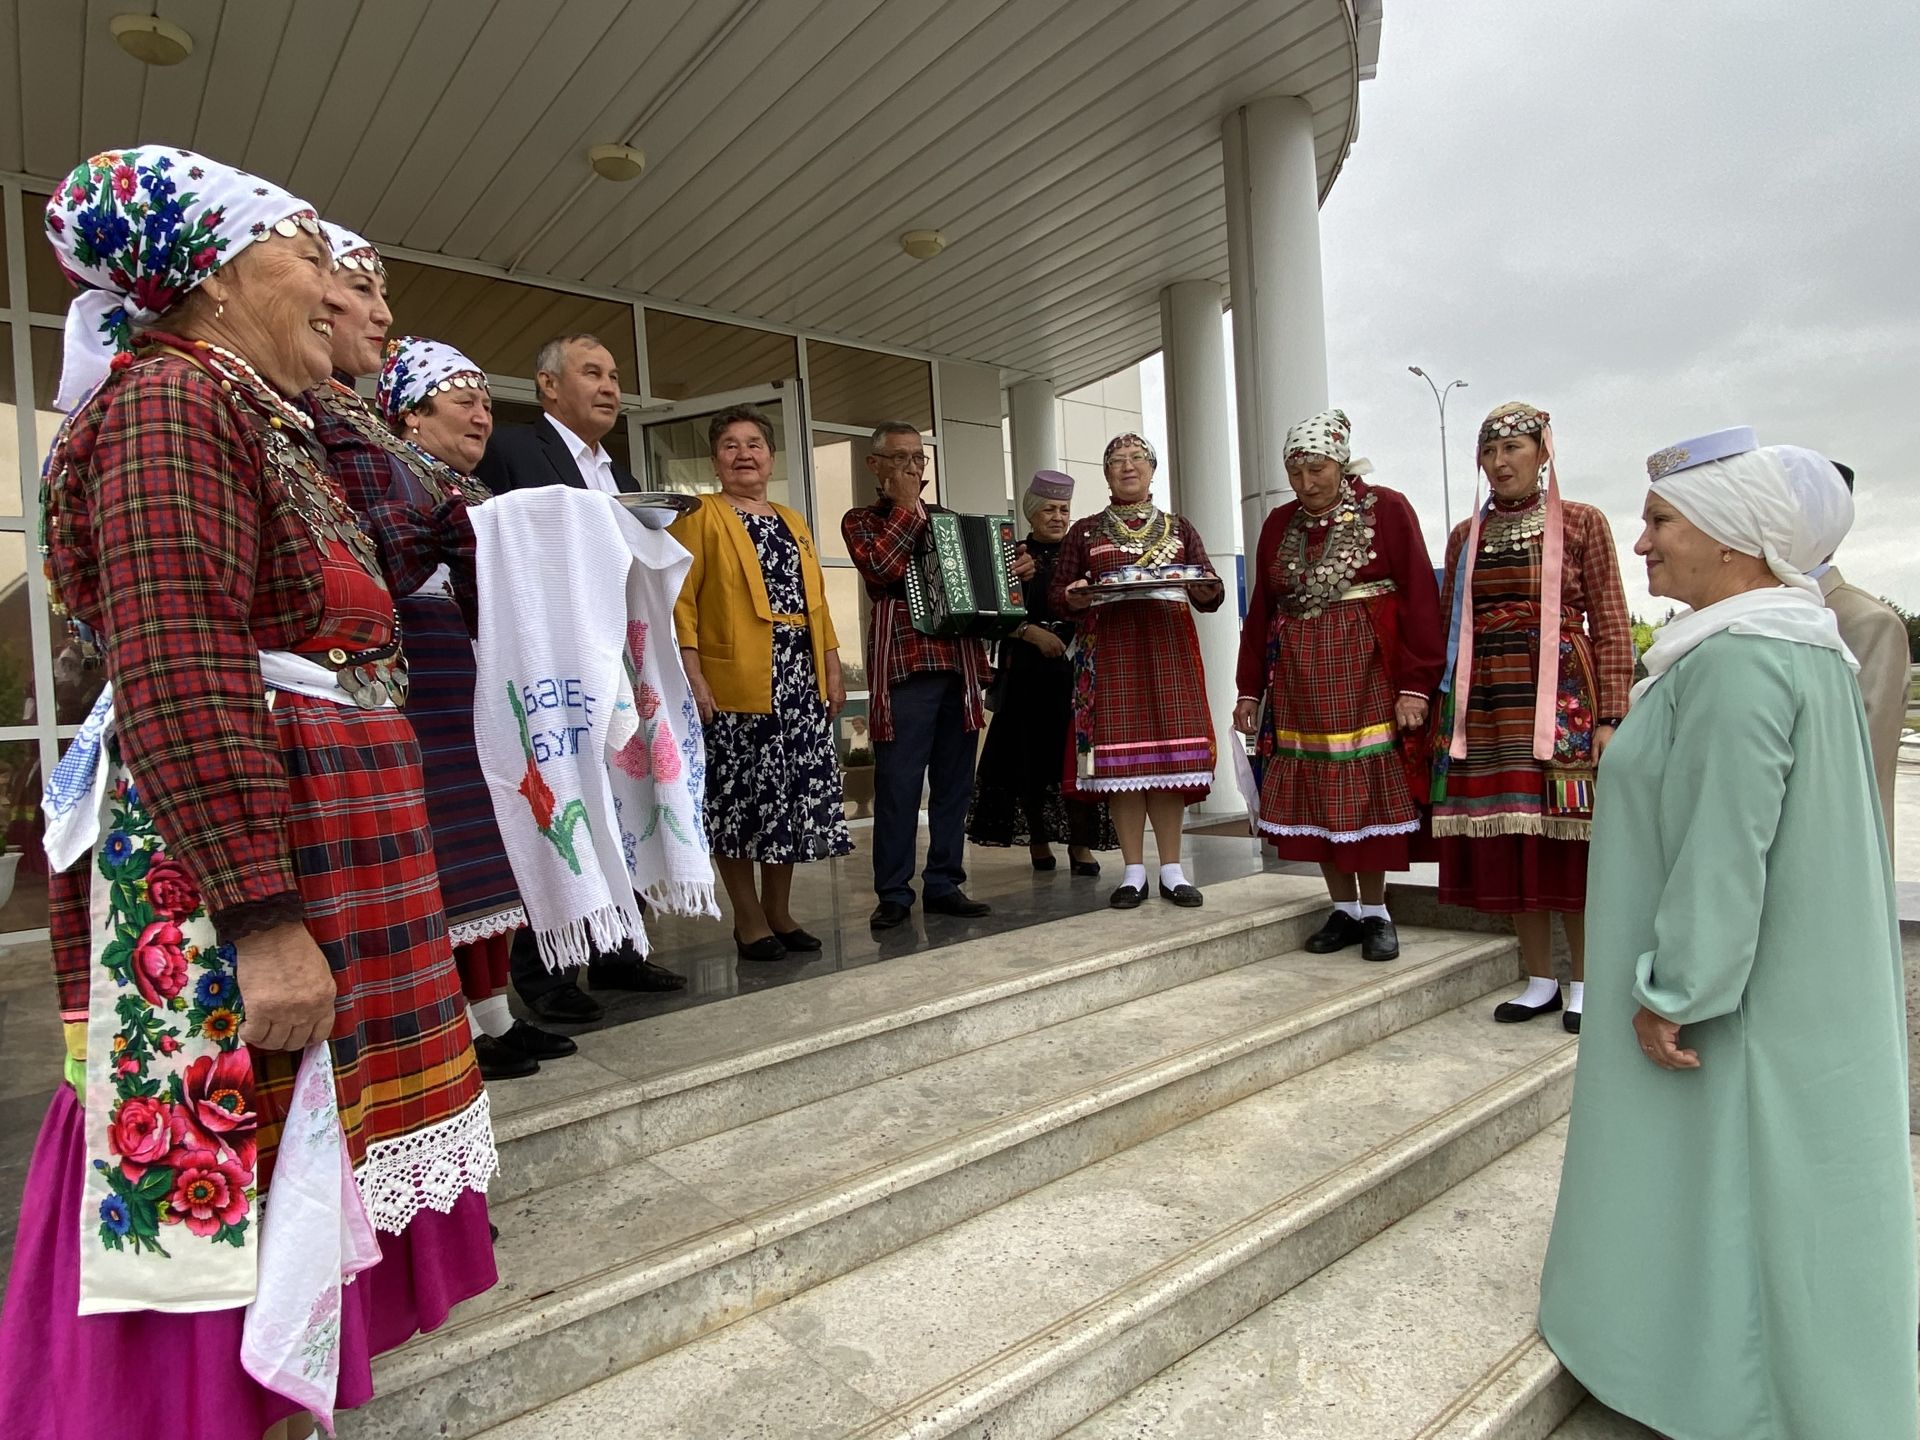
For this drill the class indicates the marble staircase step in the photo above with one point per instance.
(641, 1088)
(1036, 1314)
(626, 1264)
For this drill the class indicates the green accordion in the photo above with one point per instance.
(961, 582)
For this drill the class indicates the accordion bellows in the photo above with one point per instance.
(961, 581)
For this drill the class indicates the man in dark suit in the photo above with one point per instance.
(580, 395)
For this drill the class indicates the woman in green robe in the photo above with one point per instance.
(1733, 1256)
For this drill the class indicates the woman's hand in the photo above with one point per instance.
(1246, 715)
(836, 687)
(1602, 737)
(1023, 564)
(1044, 640)
(1660, 1042)
(286, 987)
(697, 682)
(1410, 712)
(1079, 595)
(1207, 594)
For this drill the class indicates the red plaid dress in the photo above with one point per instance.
(1336, 787)
(1140, 695)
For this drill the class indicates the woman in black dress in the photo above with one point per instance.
(1016, 791)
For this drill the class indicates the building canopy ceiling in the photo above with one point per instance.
(1068, 150)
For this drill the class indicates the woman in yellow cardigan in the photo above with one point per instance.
(764, 665)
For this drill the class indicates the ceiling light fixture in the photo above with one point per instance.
(616, 162)
(151, 40)
(923, 244)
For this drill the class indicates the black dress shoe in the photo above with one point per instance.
(1339, 931)
(1570, 1022)
(1379, 940)
(889, 913)
(798, 940)
(1084, 867)
(767, 947)
(630, 974)
(1186, 896)
(1044, 862)
(499, 1061)
(566, 1004)
(956, 903)
(540, 1044)
(1128, 897)
(1512, 1012)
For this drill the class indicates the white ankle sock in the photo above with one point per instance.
(490, 1016)
(1576, 994)
(1172, 876)
(1348, 908)
(1374, 912)
(1136, 876)
(1540, 990)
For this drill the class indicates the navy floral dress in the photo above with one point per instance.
(773, 781)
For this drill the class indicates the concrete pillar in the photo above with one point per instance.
(1279, 315)
(1201, 476)
(1035, 422)
(973, 474)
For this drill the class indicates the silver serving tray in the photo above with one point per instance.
(673, 500)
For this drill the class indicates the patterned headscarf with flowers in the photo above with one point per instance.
(351, 251)
(1329, 433)
(417, 369)
(137, 230)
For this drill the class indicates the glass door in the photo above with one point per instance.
(674, 442)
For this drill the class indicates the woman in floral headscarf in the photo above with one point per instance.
(1142, 736)
(1523, 725)
(1343, 638)
(243, 811)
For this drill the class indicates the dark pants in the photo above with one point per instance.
(931, 744)
(532, 978)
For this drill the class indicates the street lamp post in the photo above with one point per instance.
(1440, 398)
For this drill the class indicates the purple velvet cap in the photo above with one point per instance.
(1051, 485)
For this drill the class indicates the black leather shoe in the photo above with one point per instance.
(1044, 862)
(500, 1061)
(955, 903)
(566, 1004)
(626, 974)
(540, 1044)
(1512, 1012)
(1379, 940)
(1339, 931)
(1085, 867)
(889, 913)
(1188, 897)
(1128, 897)
(1570, 1022)
(798, 941)
(767, 947)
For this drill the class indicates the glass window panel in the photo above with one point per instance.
(688, 357)
(10, 490)
(501, 324)
(841, 481)
(6, 270)
(48, 288)
(850, 386)
(16, 632)
(846, 602)
(678, 457)
(77, 676)
(16, 487)
(23, 864)
(516, 412)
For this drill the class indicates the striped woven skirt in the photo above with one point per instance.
(1140, 719)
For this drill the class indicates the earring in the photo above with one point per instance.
(219, 308)
(1726, 557)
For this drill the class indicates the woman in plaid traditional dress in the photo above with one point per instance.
(1142, 736)
(1518, 737)
(1343, 637)
(260, 878)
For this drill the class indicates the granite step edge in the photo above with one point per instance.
(815, 1236)
(1523, 1396)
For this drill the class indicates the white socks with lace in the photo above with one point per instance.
(489, 1016)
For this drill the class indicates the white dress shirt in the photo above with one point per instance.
(592, 461)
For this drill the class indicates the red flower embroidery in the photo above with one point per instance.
(171, 893)
(219, 1095)
(123, 182)
(539, 797)
(208, 1193)
(159, 965)
(141, 1133)
(649, 701)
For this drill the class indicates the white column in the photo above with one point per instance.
(1279, 315)
(1036, 430)
(1201, 476)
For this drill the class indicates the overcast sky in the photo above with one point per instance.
(1651, 219)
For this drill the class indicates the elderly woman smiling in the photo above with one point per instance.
(1733, 1255)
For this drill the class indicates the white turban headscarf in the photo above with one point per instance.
(1783, 503)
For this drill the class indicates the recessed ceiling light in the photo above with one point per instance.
(151, 40)
(616, 162)
(923, 244)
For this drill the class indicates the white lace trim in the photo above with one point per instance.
(488, 926)
(429, 1169)
(1189, 780)
(1338, 837)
